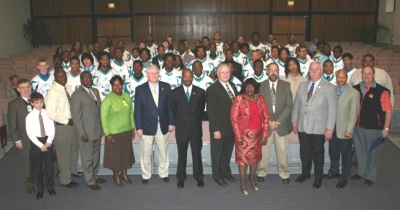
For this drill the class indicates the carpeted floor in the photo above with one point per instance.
(384, 194)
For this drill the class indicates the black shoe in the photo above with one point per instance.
(368, 182)
(302, 178)
(230, 178)
(330, 176)
(341, 184)
(79, 174)
(39, 195)
(165, 179)
(317, 183)
(286, 181)
(145, 181)
(180, 184)
(71, 185)
(200, 183)
(356, 177)
(260, 179)
(52, 192)
(222, 182)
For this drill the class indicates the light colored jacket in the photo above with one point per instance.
(348, 108)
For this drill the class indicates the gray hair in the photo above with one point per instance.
(153, 66)
(222, 65)
(316, 62)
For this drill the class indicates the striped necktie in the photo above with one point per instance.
(231, 96)
(310, 92)
(68, 96)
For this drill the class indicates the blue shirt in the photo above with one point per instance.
(315, 85)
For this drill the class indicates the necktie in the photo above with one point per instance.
(273, 95)
(340, 93)
(68, 96)
(187, 94)
(29, 101)
(93, 97)
(42, 131)
(231, 96)
(310, 92)
(154, 93)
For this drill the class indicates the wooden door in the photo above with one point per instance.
(117, 28)
(283, 26)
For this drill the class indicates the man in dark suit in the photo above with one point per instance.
(187, 103)
(219, 97)
(153, 119)
(85, 111)
(18, 109)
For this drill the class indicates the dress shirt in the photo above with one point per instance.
(270, 88)
(315, 85)
(188, 88)
(340, 90)
(229, 86)
(57, 104)
(90, 91)
(156, 88)
(33, 127)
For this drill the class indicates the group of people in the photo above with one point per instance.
(253, 96)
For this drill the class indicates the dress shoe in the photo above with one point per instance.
(317, 183)
(165, 179)
(71, 185)
(356, 177)
(52, 192)
(39, 195)
(145, 181)
(200, 183)
(116, 178)
(341, 184)
(245, 191)
(94, 186)
(222, 182)
(253, 184)
(260, 179)
(180, 184)
(286, 181)
(100, 180)
(125, 177)
(230, 178)
(368, 182)
(330, 176)
(302, 178)
(31, 189)
(79, 174)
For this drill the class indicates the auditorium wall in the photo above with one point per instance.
(391, 19)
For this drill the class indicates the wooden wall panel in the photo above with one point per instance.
(195, 26)
(299, 5)
(344, 5)
(175, 6)
(121, 6)
(58, 8)
(66, 31)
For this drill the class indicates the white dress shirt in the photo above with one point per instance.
(32, 125)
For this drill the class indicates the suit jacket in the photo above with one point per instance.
(86, 113)
(319, 113)
(348, 108)
(10, 92)
(188, 114)
(146, 111)
(16, 115)
(283, 105)
(219, 108)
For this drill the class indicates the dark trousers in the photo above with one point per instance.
(339, 147)
(41, 159)
(221, 153)
(196, 144)
(312, 149)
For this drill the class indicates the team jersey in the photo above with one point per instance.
(216, 60)
(127, 57)
(271, 60)
(160, 61)
(220, 49)
(173, 78)
(237, 82)
(292, 49)
(331, 78)
(171, 51)
(131, 84)
(281, 66)
(260, 46)
(322, 58)
(349, 73)
(101, 81)
(258, 79)
(135, 59)
(66, 66)
(248, 70)
(74, 81)
(90, 68)
(153, 49)
(305, 66)
(41, 84)
(145, 66)
(337, 64)
(268, 50)
(123, 69)
(95, 61)
(202, 82)
(207, 63)
(240, 58)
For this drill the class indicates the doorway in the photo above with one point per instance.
(284, 26)
(116, 28)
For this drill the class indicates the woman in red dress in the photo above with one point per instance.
(250, 117)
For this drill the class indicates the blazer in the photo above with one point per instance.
(348, 109)
(86, 113)
(147, 113)
(188, 114)
(283, 105)
(16, 115)
(10, 92)
(219, 108)
(319, 113)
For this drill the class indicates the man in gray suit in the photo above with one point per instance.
(280, 103)
(85, 111)
(18, 109)
(313, 118)
(342, 140)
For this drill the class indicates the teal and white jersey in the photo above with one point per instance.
(248, 70)
(216, 60)
(101, 81)
(240, 58)
(131, 84)
(135, 59)
(292, 49)
(322, 58)
(202, 82)
(90, 68)
(127, 57)
(337, 64)
(281, 66)
(330, 78)
(66, 67)
(350, 72)
(305, 66)
(271, 60)
(95, 61)
(124, 69)
(237, 82)
(74, 81)
(153, 50)
(220, 49)
(208, 65)
(173, 78)
(171, 51)
(260, 46)
(258, 79)
(160, 61)
(145, 66)
(41, 84)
